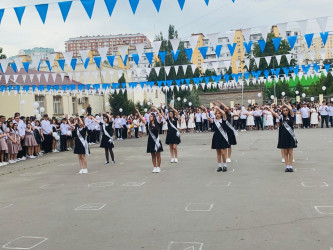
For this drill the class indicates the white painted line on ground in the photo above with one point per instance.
(31, 174)
(219, 184)
(134, 184)
(324, 209)
(91, 206)
(305, 169)
(314, 184)
(25, 242)
(52, 186)
(100, 184)
(66, 164)
(4, 206)
(173, 245)
(199, 207)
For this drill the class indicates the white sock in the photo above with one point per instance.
(219, 165)
(224, 164)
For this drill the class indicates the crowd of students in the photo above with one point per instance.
(27, 137)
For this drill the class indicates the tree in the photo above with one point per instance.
(2, 56)
(120, 100)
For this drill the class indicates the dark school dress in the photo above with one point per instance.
(230, 132)
(171, 137)
(105, 139)
(285, 138)
(79, 147)
(151, 142)
(218, 141)
(37, 135)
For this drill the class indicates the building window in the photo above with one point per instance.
(74, 106)
(57, 105)
(41, 102)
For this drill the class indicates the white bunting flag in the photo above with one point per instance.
(4, 64)
(103, 52)
(38, 77)
(184, 68)
(7, 78)
(18, 62)
(140, 48)
(138, 71)
(231, 36)
(123, 51)
(24, 77)
(227, 64)
(15, 78)
(70, 75)
(35, 61)
(84, 54)
(68, 56)
(157, 70)
(303, 25)
(103, 73)
(129, 72)
(268, 59)
(176, 69)
(213, 39)
(278, 59)
(54, 76)
(246, 34)
(167, 69)
(193, 66)
(202, 85)
(215, 66)
(322, 22)
(77, 76)
(62, 75)
(193, 42)
(31, 77)
(86, 75)
(237, 64)
(156, 47)
(323, 55)
(283, 29)
(51, 58)
(148, 70)
(117, 91)
(95, 75)
(120, 73)
(264, 31)
(204, 67)
(175, 44)
(247, 63)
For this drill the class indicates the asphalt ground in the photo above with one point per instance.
(46, 204)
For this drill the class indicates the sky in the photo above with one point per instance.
(218, 17)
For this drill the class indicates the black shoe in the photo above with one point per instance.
(291, 170)
(224, 169)
(219, 169)
(286, 170)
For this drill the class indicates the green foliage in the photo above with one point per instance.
(2, 56)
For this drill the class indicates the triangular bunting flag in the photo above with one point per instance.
(176, 69)
(54, 76)
(4, 65)
(175, 55)
(26, 66)
(73, 63)
(156, 47)
(278, 59)
(292, 41)
(110, 60)
(140, 48)
(268, 60)
(157, 4)
(150, 56)
(324, 36)
(84, 54)
(308, 39)
(231, 36)
(257, 61)
(98, 60)
(282, 28)
(246, 34)
(123, 50)
(203, 51)
(247, 63)
(162, 55)
(175, 44)
(189, 53)
(110, 5)
(288, 56)
(157, 70)
(181, 4)
(64, 9)
(88, 6)
(61, 63)
(2, 11)
(19, 11)
(262, 45)
(227, 64)
(136, 58)
(276, 42)
(42, 11)
(68, 57)
(167, 70)
(7, 78)
(102, 53)
(18, 62)
(232, 48)
(303, 25)
(248, 46)
(193, 67)
(184, 68)
(134, 5)
(193, 40)
(213, 38)
(264, 31)
(218, 49)
(322, 22)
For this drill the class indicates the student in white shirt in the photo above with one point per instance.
(47, 132)
(117, 126)
(330, 113)
(21, 128)
(204, 122)
(323, 110)
(65, 135)
(198, 121)
(305, 112)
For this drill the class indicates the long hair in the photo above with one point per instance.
(155, 123)
(283, 115)
(108, 120)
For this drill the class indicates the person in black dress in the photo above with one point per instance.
(232, 133)
(220, 138)
(154, 145)
(287, 140)
(81, 145)
(107, 137)
(173, 135)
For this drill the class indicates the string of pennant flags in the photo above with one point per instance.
(88, 5)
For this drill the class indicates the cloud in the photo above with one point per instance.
(219, 16)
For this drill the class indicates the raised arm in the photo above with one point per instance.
(70, 124)
(208, 117)
(141, 117)
(176, 112)
(163, 115)
(158, 113)
(273, 113)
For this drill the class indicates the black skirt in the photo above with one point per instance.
(151, 142)
(218, 141)
(38, 137)
(79, 148)
(231, 136)
(285, 138)
(105, 142)
(171, 137)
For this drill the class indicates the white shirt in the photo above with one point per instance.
(211, 114)
(21, 127)
(204, 116)
(305, 112)
(123, 122)
(117, 123)
(198, 117)
(243, 114)
(64, 128)
(330, 111)
(46, 126)
(323, 110)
